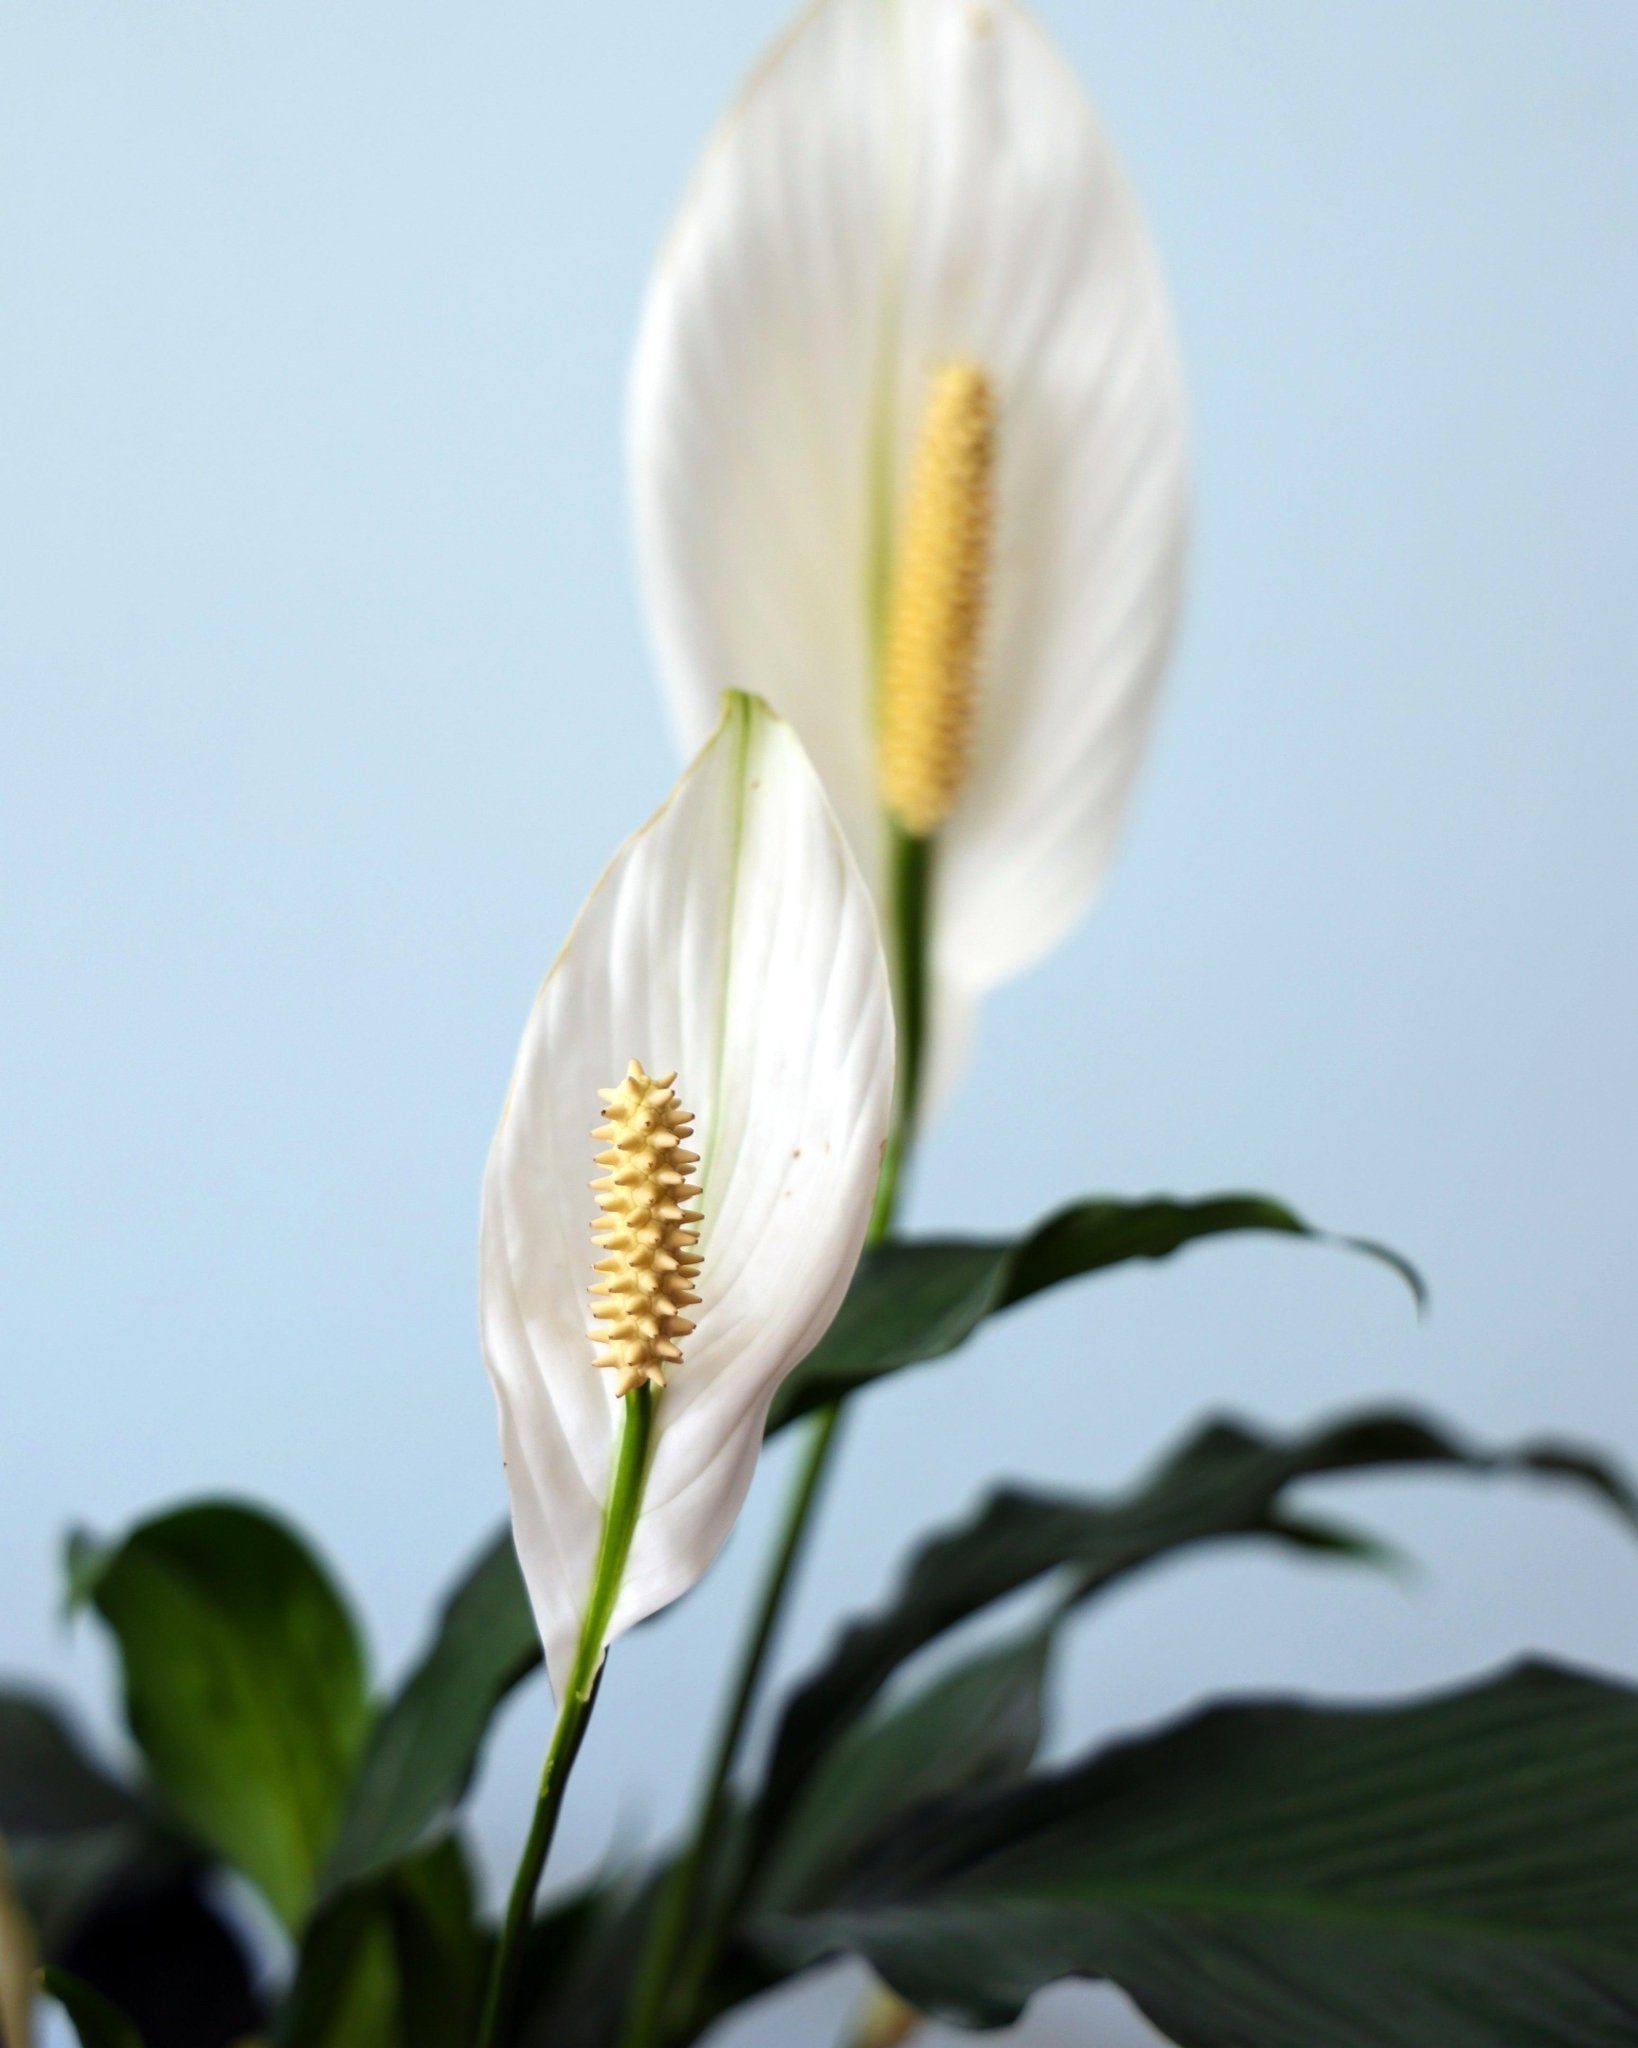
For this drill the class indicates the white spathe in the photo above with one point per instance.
(904, 182)
(733, 940)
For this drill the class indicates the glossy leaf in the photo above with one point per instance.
(977, 1725)
(244, 1684)
(1226, 1481)
(423, 1750)
(97, 2023)
(1455, 1873)
(916, 1300)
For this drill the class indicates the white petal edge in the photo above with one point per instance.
(733, 940)
(904, 181)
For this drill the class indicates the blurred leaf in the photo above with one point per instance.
(48, 1785)
(65, 1881)
(75, 1833)
(244, 1684)
(556, 1973)
(117, 1898)
(1454, 1873)
(345, 1993)
(911, 1301)
(18, 1961)
(397, 1961)
(579, 1964)
(159, 1950)
(422, 1752)
(1340, 1540)
(97, 2023)
(441, 1952)
(1226, 1481)
(977, 1725)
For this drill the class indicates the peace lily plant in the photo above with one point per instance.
(908, 466)
(907, 442)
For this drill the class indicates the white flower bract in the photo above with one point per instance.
(732, 941)
(905, 184)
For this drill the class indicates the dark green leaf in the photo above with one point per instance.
(423, 1750)
(442, 1953)
(580, 1963)
(1090, 1235)
(1227, 1481)
(161, 1952)
(69, 1882)
(977, 1725)
(97, 2023)
(48, 1784)
(1328, 1538)
(345, 1993)
(77, 1837)
(397, 1961)
(911, 1301)
(244, 1684)
(115, 1898)
(1455, 1873)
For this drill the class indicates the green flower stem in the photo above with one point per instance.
(574, 1710)
(653, 2003)
(911, 886)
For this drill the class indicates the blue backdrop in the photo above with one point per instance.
(317, 619)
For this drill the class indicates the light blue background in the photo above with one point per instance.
(325, 697)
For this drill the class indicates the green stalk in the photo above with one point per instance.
(910, 884)
(666, 1994)
(658, 1987)
(574, 1710)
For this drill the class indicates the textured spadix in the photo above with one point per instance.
(907, 184)
(731, 942)
(647, 1236)
(932, 635)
